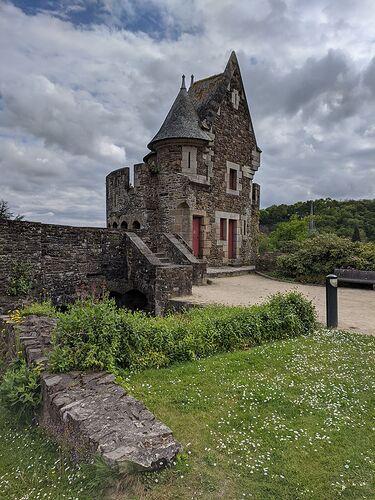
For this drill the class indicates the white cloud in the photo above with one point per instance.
(78, 102)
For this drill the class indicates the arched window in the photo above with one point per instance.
(124, 224)
(114, 225)
(136, 225)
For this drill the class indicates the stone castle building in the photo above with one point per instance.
(193, 204)
(197, 180)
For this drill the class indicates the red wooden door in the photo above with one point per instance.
(232, 239)
(197, 236)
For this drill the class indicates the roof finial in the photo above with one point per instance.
(183, 83)
(191, 80)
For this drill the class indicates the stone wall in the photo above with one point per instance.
(66, 261)
(87, 412)
(157, 281)
(71, 262)
(177, 250)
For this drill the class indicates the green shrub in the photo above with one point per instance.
(20, 280)
(20, 388)
(292, 232)
(367, 255)
(321, 254)
(96, 335)
(87, 336)
(44, 308)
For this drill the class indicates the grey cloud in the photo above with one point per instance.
(71, 119)
(74, 99)
(369, 76)
(317, 76)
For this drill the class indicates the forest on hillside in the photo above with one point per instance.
(343, 218)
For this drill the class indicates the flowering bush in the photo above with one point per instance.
(320, 255)
(87, 336)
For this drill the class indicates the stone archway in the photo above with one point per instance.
(133, 299)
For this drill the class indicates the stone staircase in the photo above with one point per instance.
(164, 259)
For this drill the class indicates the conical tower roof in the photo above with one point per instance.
(182, 121)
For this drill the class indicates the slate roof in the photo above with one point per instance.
(207, 94)
(182, 121)
(193, 112)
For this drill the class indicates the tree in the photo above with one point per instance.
(331, 216)
(356, 234)
(294, 230)
(6, 214)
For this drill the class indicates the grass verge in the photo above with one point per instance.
(286, 420)
(33, 467)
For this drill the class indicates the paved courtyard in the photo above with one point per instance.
(356, 306)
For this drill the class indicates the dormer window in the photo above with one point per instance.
(235, 98)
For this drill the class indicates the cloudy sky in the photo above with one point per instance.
(85, 84)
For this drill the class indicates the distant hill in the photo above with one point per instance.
(340, 217)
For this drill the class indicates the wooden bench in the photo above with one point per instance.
(355, 276)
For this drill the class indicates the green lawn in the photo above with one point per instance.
(286, 420)
(32, 467)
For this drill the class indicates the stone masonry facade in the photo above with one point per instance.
(197, 181)
(71, 262)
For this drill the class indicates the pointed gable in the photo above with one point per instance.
(208, 94)
(182, 121)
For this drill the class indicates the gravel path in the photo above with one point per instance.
(356, 306)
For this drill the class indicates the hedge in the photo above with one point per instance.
(97, 335)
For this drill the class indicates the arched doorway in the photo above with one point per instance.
(136, 225)
(114, 225)
(124, 225)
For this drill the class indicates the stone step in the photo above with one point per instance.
(164, 259)
(228, 271)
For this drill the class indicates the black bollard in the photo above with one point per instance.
(331, 300)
